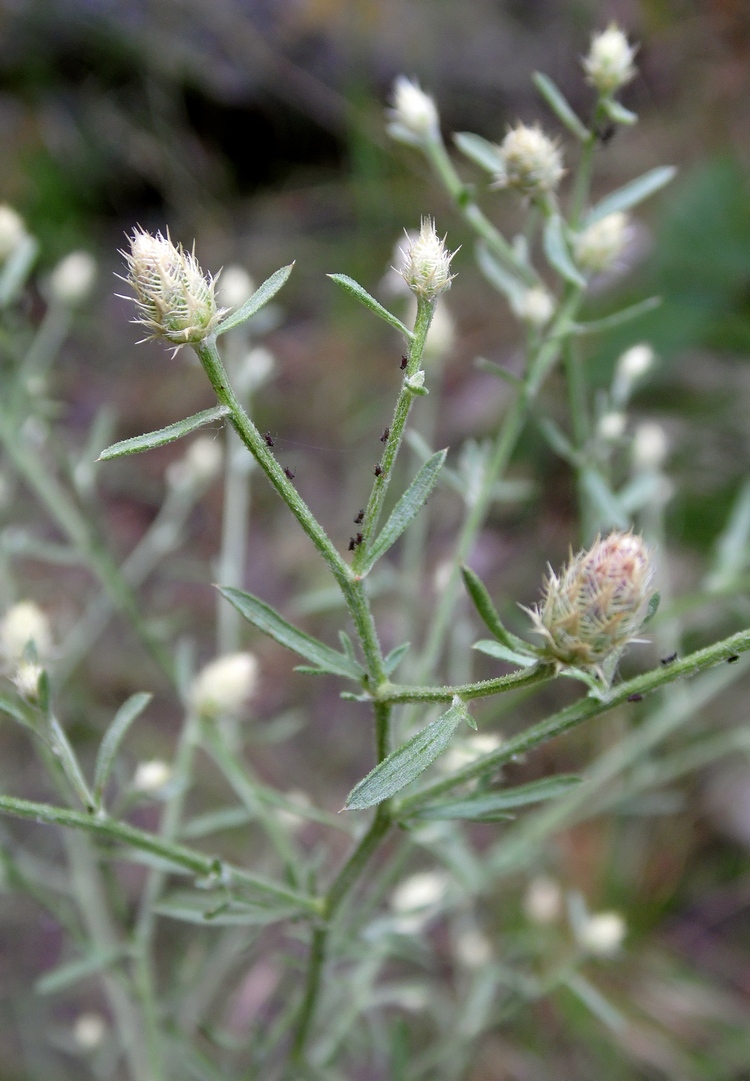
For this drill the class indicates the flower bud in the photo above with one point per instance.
(635, 362)
(151, 776)
(413, 116)
(425, 263)
(542, 902)
(89, 1030)
(609, 64)
(597, 247)
(174, 299)
(235, 286)
(473, 949)
(602, 933)
(12, 232)
(650, 447)
(25, 622)
(594, 608)
(224, 685)
(531, 161)
(27, 679)
(73, 278)
(535, 306)
(611, 427)
(200, 463)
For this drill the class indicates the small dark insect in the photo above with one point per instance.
(268, 439)
(288, 473)
(733, 658)
(359, 538)
(635, 698)
(669, 660)
(352, 544)
(605, 133)
(404, 362)
(378, 470)
(360, 517)
(384, 436)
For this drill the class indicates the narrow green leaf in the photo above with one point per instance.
(164, 435)
(557, 251)
(604, 500)
(361, 294)
(558, 441)
(502, 653)
(407, 508)
(66, 756)
(57, 979)
(616, 319)
(394, 658)
(499, 278)
(214, 821)
(477, 590)
(267, 620)
(560, 107)
(616, 111)
(482, 152)
(482, 364)
(485, 806)
(405, 764)
(631, 194)
(113, 737)
(21, 713)
(217, 910)
(260, 297)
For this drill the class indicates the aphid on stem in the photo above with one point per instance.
(360, 516)
(404, 362)
(288, 473)
(669, 660)
(384, 436)
(268, 439)
(378, 470)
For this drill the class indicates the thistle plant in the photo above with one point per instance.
(340, 922)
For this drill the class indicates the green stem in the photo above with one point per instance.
(395, 692)
(580, 711)
(425, 311)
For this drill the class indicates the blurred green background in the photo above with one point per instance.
(256, 127)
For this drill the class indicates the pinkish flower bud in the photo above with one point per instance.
(594, 608)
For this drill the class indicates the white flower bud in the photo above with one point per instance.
(473, 950)
(73, 278)
(224, 685)
(602, 933)
(469, 750)
(89, 1030)
(599, 246)
(413, 115)
(611, 427)
(175, 300)
(23, 623)
(235, 286)
(531, 161)
(542, 902)
(441, 335)
(291, 820)
(635, 362)
(152, 776)
(27, 679)
(419, 891)
(199, 465)
(425, 263)
(535, 306)
(256, 368)
(650, 447)
(609, 64)
(12, 232)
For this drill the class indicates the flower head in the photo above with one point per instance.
(602, 933)
(413, 116)
(598, 246)
(535, 306)
(594, 607)
(224, 685)
(27, 679)
(23, 623)
(609, 64)
(151, 776)
(174, 298)
(426, 262)
(531, 161)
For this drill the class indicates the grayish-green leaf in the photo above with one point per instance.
(394, 658)
(560, 107)
(267, 620)
(616, 111)
(631, 194)
(261, 296)
(487, 806)
(558, 253)
(16, 270)
(486, 609)
(218, 910)
(616, 319)
(603, 499)
(57, 979)
(214, 821)
(502, 653)
(112, 739)
(66, 756)
(361, 294)
(407, 508)
(20, 712)
(558, 440)
(483, 153)
(405, 764)
(499, 277)
(733, 544)
(163, 436)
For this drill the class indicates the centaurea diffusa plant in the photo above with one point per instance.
(589, 612)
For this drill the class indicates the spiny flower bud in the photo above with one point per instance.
(609, 64)
(597, 247)
(27, 679)
(23, 623)
(594, 608)
(426, 263)
(531, 161)
(224, 685)
(174, 298)
(413, 116)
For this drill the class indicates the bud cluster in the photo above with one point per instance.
(609, 64)
(413, 116)
(174, 298)
(531, 161)
(598, 247)
(594, 607)
(426, 263)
